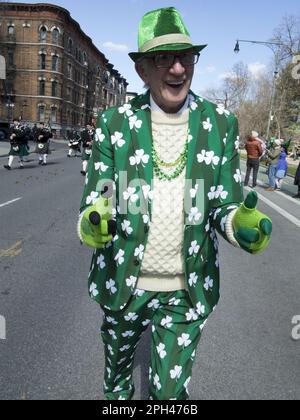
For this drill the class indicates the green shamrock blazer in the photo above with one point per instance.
(122, 161)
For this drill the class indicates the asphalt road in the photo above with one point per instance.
(53, 349)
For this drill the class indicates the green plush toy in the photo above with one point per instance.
(96, 227)
(252, 229)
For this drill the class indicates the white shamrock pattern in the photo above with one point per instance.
(208, 157)
(110, 285)
(119, 258)
(117, 140)
(209, 283)
(93, 290)
(193, 279)
(92, 198)
(99, 136)
(130, 194)
(161, 350)
(126, 109)
(194, 249)
(126, 227)
(134, 123)
(139, 158)
(176, 372)
(184, 340)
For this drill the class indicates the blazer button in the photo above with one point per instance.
(136, 263)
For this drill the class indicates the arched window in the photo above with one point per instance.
(70, 46)
(11, 29)
(43, 61)
(55, 36)
(70, 70)
(53, 116)
(54, 63)
(42, 87)
(54, 88)
(41, 113)
(43, 34)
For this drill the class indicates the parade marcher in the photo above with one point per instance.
(74, 143)
(42, 138)
(87, 136)
(254, 152)
(273, 157)
(172, 160)
(18, 144)
(297, 182)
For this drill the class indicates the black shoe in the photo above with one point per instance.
(44, 164)
(40, 162)
(7, 167)
(296, 196)
(68, 156)
(83, 173)
(21, 167)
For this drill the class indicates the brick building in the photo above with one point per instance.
(54, 72)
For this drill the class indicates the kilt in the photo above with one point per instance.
(86, 154)
(19, 150)
(42, 149)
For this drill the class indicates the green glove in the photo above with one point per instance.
(95, 226)
(252, 229)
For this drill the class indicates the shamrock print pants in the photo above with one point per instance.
(176, 331)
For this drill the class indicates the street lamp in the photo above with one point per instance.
(10, 106)
(268, 44)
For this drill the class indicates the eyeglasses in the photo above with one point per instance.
(164, 61)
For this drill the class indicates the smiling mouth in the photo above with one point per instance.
(175, 85)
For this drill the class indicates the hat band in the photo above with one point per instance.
(165, 40)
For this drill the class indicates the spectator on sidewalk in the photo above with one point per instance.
(281, 169)
(254, 152)
(273, 155)
(297, 182)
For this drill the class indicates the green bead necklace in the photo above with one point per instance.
(179, 165)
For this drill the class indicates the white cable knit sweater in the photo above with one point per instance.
(163, 266)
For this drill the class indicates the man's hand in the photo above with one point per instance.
(252, 229)
(95, 227)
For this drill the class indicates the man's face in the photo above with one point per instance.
(169, 86)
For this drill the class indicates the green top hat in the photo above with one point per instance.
(163, 30)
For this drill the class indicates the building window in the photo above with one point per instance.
(54, 63)
(55, 36)
(42, 87)
(70, 46)
(10, 56)
(53, 115)
(42, 113)
(43, 34)
(42, 61)
(11, 30)
(70, 71)
(54, 88)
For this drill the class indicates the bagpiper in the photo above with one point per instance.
(18, 144)
(74, 143)
(42, 138)
(87, 136)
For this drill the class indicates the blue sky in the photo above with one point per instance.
(113, 29)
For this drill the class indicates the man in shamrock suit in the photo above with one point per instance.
(164, 176)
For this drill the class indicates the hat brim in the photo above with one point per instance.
(135, 56)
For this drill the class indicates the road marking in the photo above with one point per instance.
(283, 213)
(13, 251)
(264, 184)
(10, 202)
